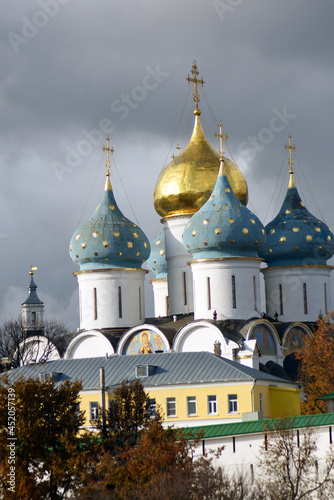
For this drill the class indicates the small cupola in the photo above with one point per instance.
(32, 308)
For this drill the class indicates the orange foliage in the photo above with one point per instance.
(316, 372)
(160, 456)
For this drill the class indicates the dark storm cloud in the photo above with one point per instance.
(83, 65)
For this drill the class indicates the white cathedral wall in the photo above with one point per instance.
(180, 287)
(213, 289)
(111, 298)
(298, 293)
(160, 295)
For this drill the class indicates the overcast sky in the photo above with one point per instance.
(71, 66)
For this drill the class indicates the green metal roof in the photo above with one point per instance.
(327, 396)
(258, 426)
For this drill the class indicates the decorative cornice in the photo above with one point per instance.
(325, 266)
(111, 269)
(225, 258)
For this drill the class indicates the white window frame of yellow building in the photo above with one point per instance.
(152, 409)
(232, 400)
(170, 404)
(93, 410)
(191, 406)
(212, 405)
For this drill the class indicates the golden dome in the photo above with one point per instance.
(186, 183)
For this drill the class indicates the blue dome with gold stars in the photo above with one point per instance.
(108, 239)
(223, 227)
(295, 236)
(157, 260)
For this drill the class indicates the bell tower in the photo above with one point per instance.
(32, 309)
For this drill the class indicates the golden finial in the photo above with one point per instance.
(221, 137)
(221, 149)
(195, 81)
(178, 150)
(173, 156)
(109, 150)
(32, 269)
(291, 148)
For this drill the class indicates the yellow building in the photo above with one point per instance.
(191, 388)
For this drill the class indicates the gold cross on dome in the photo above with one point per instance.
(109, 150)
(195, 81)
(291, 148)
(178, 150)
(221, 137)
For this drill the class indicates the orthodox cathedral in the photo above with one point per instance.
(209, 262)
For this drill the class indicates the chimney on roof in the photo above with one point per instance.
(217, 348)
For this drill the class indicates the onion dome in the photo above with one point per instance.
(32, 298)
(108, 239)
(157, 260)
(187, 182)
(223, 227)
(295, 236)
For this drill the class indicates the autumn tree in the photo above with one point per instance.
(128, 413)
(18, 347)
(49, 457)
(316, 371)
(289, 466)
(135, 447)
(162, 465)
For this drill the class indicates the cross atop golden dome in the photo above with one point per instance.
(186, 183)
(195, 81)
(221, 137)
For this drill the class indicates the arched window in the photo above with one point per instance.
(185, 288)
(140, 304)
(95, 303)
(234, 293)
(325, 298)
(254, 293)
(120, 302)
(280, 299)
(33, 318)
(305, 298)
(209, 294)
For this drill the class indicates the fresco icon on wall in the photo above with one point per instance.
(293, 340)
(144, 342)
(146, 346)
(132, 345)
(264, 339)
